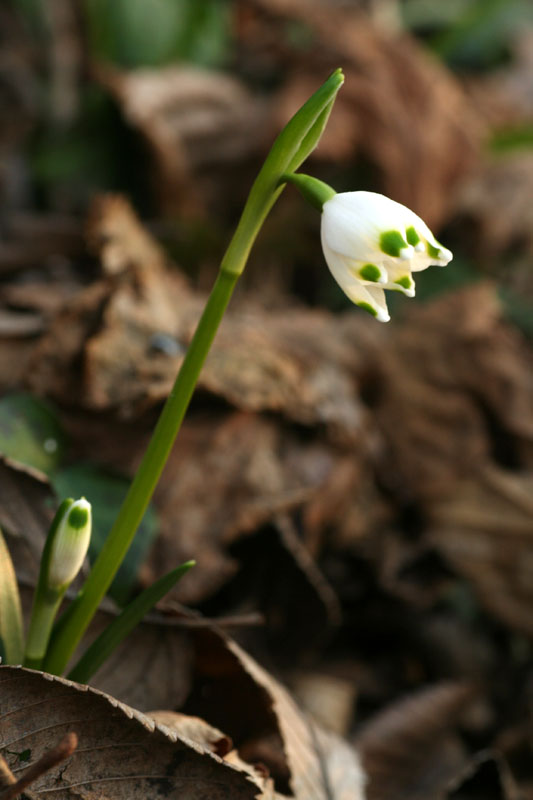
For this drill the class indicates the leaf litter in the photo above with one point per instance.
(366, 490)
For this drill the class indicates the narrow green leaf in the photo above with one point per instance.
(11, 628)
(116, 631)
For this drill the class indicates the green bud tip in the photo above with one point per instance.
(78, 516)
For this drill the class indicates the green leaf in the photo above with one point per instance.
(11, 627)
(512, 138)
(481, 35)
(106, 491)
(30, 432)
(116, 631)
(136, 33)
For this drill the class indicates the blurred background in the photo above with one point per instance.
(367, 489)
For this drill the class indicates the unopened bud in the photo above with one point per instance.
(70, 545)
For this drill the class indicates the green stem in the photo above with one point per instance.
(142, 487)
(315, 192)
(42, 619)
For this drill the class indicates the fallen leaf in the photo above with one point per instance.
(151, 668)
(258, 471)
(191, 119)
(121, 753)
(503, 96)
(485, 531)
(196, 729)
(455, 393)
(321, 765)
(26, 510)
(411, 750)
(496, 218)
(398, 107)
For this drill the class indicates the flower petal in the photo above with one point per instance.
(369, 297)
(400, 279)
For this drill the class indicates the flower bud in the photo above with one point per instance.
(69, 545)
(372, 243)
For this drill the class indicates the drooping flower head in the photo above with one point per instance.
(371, 243)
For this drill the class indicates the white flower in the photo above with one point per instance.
(70, 544)
(372, 243)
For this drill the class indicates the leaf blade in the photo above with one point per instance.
(11, 626)
(116, 631)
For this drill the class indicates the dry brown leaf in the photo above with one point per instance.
(257, 470)
(411, 750)
(207, 736)
(329, 699)
(191, 119)
(495, 207)
(504, 96)
(55, 366)
(151, 667)
(18, 88)
(121, 754)
(34, 241)
(196, 729)
(321, 765)
(399, 106)
(26, 503)
(456, 393)
(485, 531)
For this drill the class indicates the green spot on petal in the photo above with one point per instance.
(412, 236)
(404, 281)
(433, 251)
(391, 242)
(370, 273)
(367, 307)
(78, 518)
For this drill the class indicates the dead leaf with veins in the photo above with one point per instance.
(122, 753)
(320, 765)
